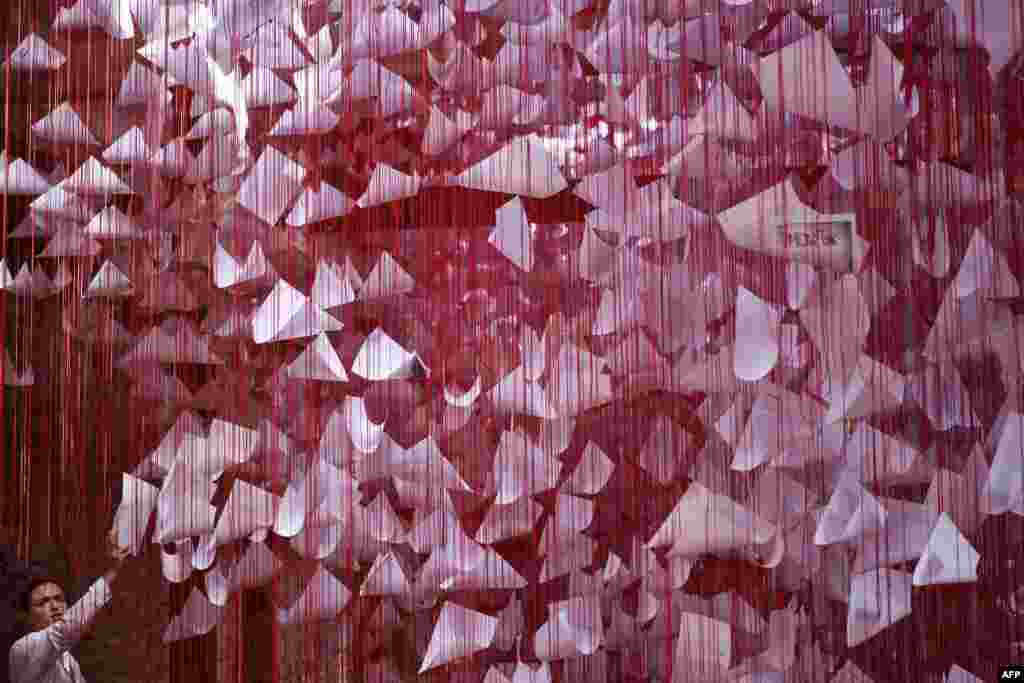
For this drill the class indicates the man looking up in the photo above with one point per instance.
(43, 654)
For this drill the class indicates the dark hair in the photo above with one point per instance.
(17, 581)
(34, 582)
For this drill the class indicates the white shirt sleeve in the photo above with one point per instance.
(34, 655)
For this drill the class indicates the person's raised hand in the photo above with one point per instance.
(115, 552)
(117, 556)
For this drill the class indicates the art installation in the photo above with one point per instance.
(513, 323)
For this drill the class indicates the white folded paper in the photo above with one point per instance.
(522, 469)
(458, 633)
(878, 599)
(35, 54)
(324, 598)
(198, 617)
(131, 521)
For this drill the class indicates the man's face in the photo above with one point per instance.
(46, 606)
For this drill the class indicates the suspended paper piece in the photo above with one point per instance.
(181, 513)
(850, 673)
(960, 495)
(578, 382)
(572, 516)
(948, 557)
(256, 567)
(187, 64)
(837, 319)
(778, 420)
(592, 472)
(523, 167)
(271, 186)
(867, 166)
(522, 469)
(34, 54)
(386, 34)
(319, 361)
(442, 132)
(757, 337)
(324, 598)
(18, 177)
(387, 93)
(215, 161)
(30, 283)
(57, 201)
(935, 261)
(116, 16)
(984, 270)
(64, 126)
(613, 190)
(289, 314)
(510, 520)
(510, 625)
(491, 573)
(331, 287)
(458, 633)
(992, 28)
(1004, 489)
(214, 123)
(527, 673)
(871, 389)
(776, 222)
(385, 524)
(665, 450)
(204, 553)
(109, 281)
(248, 509)
(172, 342)
(131, 521)
(382, 358)
(941, 394)
(228, 272)
(304, 498)
(217, 588)
(425, 464)
(177, 563)
(173, 160)
(386, 279)
(725, 116)
(366, 435)
(6, 279)
(320, 45)
(574, 627)
(703, 650)
(620, 49)
(504, 104)
(388, 185)
(705, 522)
(271, 46)
(851, 513)
(513, 235)
(878, 599)
(807, 78)
(886, 112)
(319, 541)
(960, 675)
(197, 618)
(322, 204)
(111, 223)
(141, 86)
(466, 398)
(386, 577)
